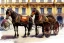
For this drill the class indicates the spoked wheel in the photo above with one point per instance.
(56, 28)
(6, 26)
(47, 29)
(47, 32)
(61, 25)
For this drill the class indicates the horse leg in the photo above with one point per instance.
(25, 31)
(43, 30)
(56, 28)
(29, 25)
(29, 29)
(17, 32)
(36, 30)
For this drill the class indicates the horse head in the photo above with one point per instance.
(34, 12)
(8, 12)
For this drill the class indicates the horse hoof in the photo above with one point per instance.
(36, 34)
(42, 35)
(47, 35)
(14, 36)
(24, 35)
(28, 34)
(17, 35)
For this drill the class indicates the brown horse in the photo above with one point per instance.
(19, 20)
(41, 20)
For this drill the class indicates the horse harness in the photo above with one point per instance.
(22, 19)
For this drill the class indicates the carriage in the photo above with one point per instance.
(47, 23)
(4, 24)
(54, 24)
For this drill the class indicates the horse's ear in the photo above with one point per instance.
(6, 12)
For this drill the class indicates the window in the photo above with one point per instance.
(23, 10)
(2, 1)
(41, 0)
(49, 0)
(59, 10)
(49, 10)
(42, 10)
(10, 1)
(17, 1)
(33, 0)
(2, 10)
(23, 0)
(16, 10)
(58, 0)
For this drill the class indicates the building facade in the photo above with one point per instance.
(25, 7)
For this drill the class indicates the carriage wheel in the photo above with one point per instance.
(6, 27)
(47, 31)
(56, 28)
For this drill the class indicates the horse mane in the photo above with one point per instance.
(37, 12)
(14, 14)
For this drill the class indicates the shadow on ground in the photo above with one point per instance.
(7, 37)
(12, 37)
(41, 36)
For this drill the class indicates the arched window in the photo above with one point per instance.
(2, 1)
(17, 1)
(16, 10)
(49, 0)
(59, 0)
(10, 1)
(49, 10)
(2, 10)
(33, 0)
(41, 0)
(23, 10)
(23, 0)
(42, 10)
(59, 10)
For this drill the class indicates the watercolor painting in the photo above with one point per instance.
(31, 21)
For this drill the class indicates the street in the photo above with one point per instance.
(8, 36)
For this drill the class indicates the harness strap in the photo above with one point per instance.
(18, 19)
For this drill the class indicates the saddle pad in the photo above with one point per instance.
(24, 18)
